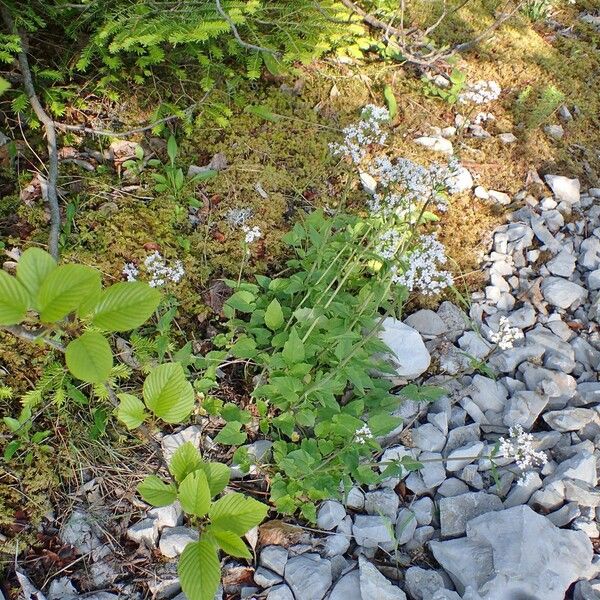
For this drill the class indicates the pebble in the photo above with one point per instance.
(457, 511)
(174, 540)
(330, 515)
(409, 356)
(308, 576)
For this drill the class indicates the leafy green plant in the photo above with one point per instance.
(537, 10)
(221, 521)
(535, 105)
(449, 94)
(21, 428)
(46, 302)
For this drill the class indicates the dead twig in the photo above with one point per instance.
(49, 189)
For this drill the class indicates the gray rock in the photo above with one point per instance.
(372, 532)
(427, 323)
(522, 492)
(170, 443)
(564, 189)
(507, 138)
(374, 585)
(330, 515)
(571, 419)
(423, 510)
(515, 553)
(406, 525)
(487, 393)
(524, 408)
(556, 132)
(280, 592)
(167, 516)
(474, 345)
(355, 499)
(422, 584)
(462, 436)
(563, 264)
(309, 576)
(499, 197)
(382, 502)
(60, 589)
(144, 532)
(174, 540)
(274, 558)
(259, 452)
(336, 545)
(456, 511)
(265, 578)
(587, 590)
(428, 438)
(433, 472)
(581, 493)
(461, 457)
(455, 319)
(81, 532)
(409, 356)
(452, 487)
(507, 361)
(564, 515)
(563, 293)
(347, 588)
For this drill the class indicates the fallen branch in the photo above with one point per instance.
(51, 195)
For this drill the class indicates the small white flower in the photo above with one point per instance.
(159, 273)
(506, 335)
(480, 92)
(237, 217)
(519, 447)
(131, 272)
(363, 434)
(252, 234)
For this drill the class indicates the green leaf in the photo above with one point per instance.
(126, 305)
(172, 148)
(263, 112)
(242, 301)
(64, 289)
(168, 394)
(199, 570)
(156, 492)
(238, 513)
(383, 424)
(33, 267)
(186, 459)
(273, 65)
(274, 315)
(89, 357)
(390, 100)
(131, 411)
(14, 300)
(194, 494)
(232, 412)
(293, 349)
(231, 435)
(230, 543)
(244, 347)
(218, 476)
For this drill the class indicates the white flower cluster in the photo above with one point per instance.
(157, 269)
(388, 243)
(480, 92)
(252, 234)
(406, 183)
(519, 446)
(363, 434)
(237, 217)
(423, 269)
(366, 132)
(506, 335)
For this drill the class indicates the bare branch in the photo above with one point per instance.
(33, 335)
(373, 21)
(51, 195)
(236, 33)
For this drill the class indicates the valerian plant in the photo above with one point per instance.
(221, 521)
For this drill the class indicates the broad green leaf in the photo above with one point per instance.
(217, 475)
(194, 494)
(89, 357)
(168, 394)
(199, 570)
(64, 289)
(33, 267)
(242, 301)
(272, 63)
(238, 513)
(382, 424)
(172, 148)
(245, 347)
(274, 315)
(293, 349)
(390, 100)
(14, 300)
(230, 543)
(231, 435)
(126, 305)
(131, 411)
(186, 459)
(156, 492)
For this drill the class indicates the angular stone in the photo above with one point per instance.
(515, 553)
(265, 578)
(571, 419)
(456, 511)
(347, 588)
(563, 293)
(422, 584)
(433, 472)
(372, 532)
(274, 558)
(452, 487)
(423, 510)
(170, 443)
(308, 576)
(174, 540)
(383, 502)
(563, 188)
(409, 356)
(461, 457)
(435, 144)
(429, 438)
(426, 322)
(487, 393)
(355, 500)
(167, 516)
(374, 585)
(280, 592)
(144, 532)
(524, 408)
(563, 264)
(455, 319)
(405, 526)
(330, 515)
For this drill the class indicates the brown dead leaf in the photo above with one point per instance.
(279, 533)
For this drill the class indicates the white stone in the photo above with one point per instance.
(167, 516)
(409, 355)
(499, 197)
(174, 540)
(330, 515)
(563, 188)
(436, 144)
(369, 183)
(373, 585)
(460, 181)
(309, 576)
(563, 293)
(144, 532)
(507, 138)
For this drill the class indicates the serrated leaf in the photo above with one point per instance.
(293, 349)
(238, 513)
(64, 289)
(199, 570)
(231, 435)
(186, 459)
(168, 394)
(89, 357)
(126, 305)
(217, 475)
(274, 315)
(156, 492)
(131, 411)
(14, 300)
(33, 267)
(230, 543)
(194, 494)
